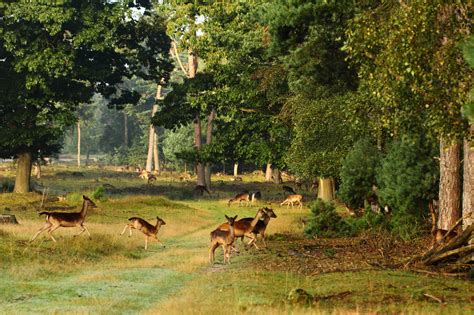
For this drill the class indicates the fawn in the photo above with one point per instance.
(291, 199)
(224, 239)
(243, 196)
(146, 228)
(244, 228)
(261, 226)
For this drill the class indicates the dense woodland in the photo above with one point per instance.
(369, 101)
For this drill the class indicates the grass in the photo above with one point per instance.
(111, 273)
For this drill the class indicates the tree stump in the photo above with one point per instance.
(8, 219)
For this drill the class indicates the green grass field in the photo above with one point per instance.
(111, 274)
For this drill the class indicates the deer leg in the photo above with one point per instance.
(83, 228)
(146, 242)
(44, 228)
(211, 252)
(263, 239)
(51, 230)
(124, 229)
(158, 240)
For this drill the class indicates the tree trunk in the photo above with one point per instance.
(326, 189)
(276, 174)
(208, 167)
(156, 154)
(125, 129)
(78, 143)
(449, 185)
(236, 168)
(468, 178)
(37, 168)
(155, 134)
(23, 172)
(268, 172)
(151, 141)
(192, 70)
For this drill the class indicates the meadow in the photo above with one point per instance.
(112, 273)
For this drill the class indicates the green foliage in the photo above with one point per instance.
(407, 181)
(358, 174)
(99, 194)
(326, 222)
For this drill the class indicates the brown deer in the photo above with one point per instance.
(146, 228)
(261, 225)
(243, 196)
(55, 220)
(245, 228)
(224, 239)
(292, 199)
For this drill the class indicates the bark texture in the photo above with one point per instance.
(23, 173)
(449, 185)
(468, 179)
(208, 167)
(326, 189)
(151, 141)
(236, 169)
(268, 172)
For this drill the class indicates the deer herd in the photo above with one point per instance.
(224, 235)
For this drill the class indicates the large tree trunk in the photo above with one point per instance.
(192, 70)
(449, 185)
(326, 189)
(78, 143)
(468, 178)
(236, 168)
(125, 129)
(208, 167)
(276, 174)
(151, 141)
(268, 172)
(155, 131)
(23, 172)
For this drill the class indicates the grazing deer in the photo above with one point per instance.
(245, 228)
(291, 199)
(288, 189)
(243, 196)
(55, 220)
(200, 189)
(146, 228)
(261, 225)
(222, 238)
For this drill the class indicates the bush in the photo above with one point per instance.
(408, 180)
(326, 222)
(358, 174)
(99, 194)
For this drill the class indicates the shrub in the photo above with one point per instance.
(325, 221)
(358, 174)
(99, 194)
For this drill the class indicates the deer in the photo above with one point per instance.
(261, 225)
(291, 199)
(244, 228)
(146, 228)
(223, 238)
(200, 189)
(55, 220)
(243, 196)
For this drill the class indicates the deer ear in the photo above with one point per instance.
(226, 216)
(235, 217)
(84, 197)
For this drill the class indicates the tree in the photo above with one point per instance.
(58, 56)
(408, 55)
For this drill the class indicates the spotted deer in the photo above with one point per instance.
(292, 199)
(146, 228)
(222, 238)
(243, 196)
(55, 220)
(245, 228)
(261, 225)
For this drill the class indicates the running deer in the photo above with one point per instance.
(292, 199)
(245, 228)
(55, 220)
(243, 196)
(261, 225)
(146, 228)
(224, 239)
